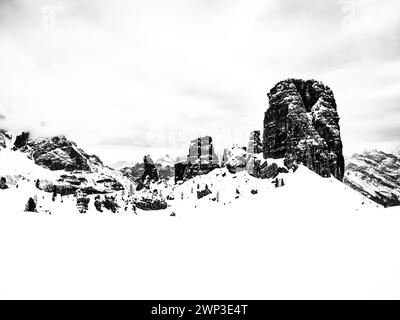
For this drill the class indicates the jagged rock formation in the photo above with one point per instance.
(302, 126)
(164, 167)
(376, 175)
(21, 140)
(255, 145)
(134, 173)
(262, 169)
(235, 159)
(148, 204)
(73, 168)
(146, 172)
(203, 193)
(149, 200)
(202, 159)
(56, 153)
(180, 169)
(3, 183)
(201, 151)
(5, 138)
(150, 170)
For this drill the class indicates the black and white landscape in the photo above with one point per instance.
(197, 149)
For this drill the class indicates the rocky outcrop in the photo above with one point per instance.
(376, 175)
(164, 170)
(235, 159)
(135, 172)
(255, 145)
(147, 204)
(180, 169)
(149, 201)
(5, 138)
(203, 193)
(165, 167)
(3, 183)
(65, 189)
(165, 173)
(201, 151)
(21, 140)
(56, 153)
(262, 169)
(202, 159)
(150, 170)
(302, 126)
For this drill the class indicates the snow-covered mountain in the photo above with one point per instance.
(166, 161)
(375, 174)
(56, 165)
(122, 164)
(165, 168)
(285, 233)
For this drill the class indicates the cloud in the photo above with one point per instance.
(154, 74)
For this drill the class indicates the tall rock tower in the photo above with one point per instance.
(302, 126)
(201, 151)
(255, 145)
(201, 159)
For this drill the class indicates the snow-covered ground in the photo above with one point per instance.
(312, 238)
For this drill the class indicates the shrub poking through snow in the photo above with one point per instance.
(82, 201)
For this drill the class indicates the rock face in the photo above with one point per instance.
(376, 175)
(150, 170)
(149, 201)
(56, 153)
(5, 138)
(148, 204)
(135, 172)
(21, 140)
(164, 167)
(302, 126)
(255, 145)
(201, 151)
(262, 169)
(235, 159)
(3, 183)
(202, 159)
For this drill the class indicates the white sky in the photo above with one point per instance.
(123, 78)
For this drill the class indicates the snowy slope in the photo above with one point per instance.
(312, 238)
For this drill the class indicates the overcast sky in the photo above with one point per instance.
(123, 78)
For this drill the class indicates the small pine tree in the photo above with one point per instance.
(31, 206)
(217, 196)
(282, 182)
(54, 194)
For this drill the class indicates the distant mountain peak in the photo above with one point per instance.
(376, 174)
(56, 153)
(166, 161)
